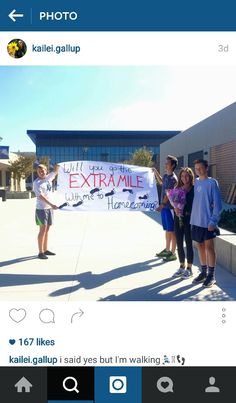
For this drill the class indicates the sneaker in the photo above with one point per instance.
(163, 253)
(200, 278)
(171, 256)
(42, 256)
(209, 282)
(179, 272)
(187, 274)
(48, 253)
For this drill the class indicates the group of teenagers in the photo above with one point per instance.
(199, 219)
(198, 223)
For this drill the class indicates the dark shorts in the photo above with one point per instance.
(200, 234)
(44, 217)
(167, 218)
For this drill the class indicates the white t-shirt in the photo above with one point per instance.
(43, 187)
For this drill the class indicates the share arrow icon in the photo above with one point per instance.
(13, 16)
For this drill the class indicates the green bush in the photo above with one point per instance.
(228, 220)
(142, 158)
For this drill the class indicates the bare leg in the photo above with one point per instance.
(202, 253)
(45, 242)
(210, 252)
(168, 240)
(41, 236)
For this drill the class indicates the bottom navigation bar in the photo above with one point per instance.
(117, 384)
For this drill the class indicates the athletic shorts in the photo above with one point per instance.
(167, 218)
(44, 217)
(200, 234)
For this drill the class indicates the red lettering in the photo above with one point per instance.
(122, 178)
(111, 180)
(136, 183)
(71, 181)
(139, 181)
(95, 179)
(85, 180)
(102, 180)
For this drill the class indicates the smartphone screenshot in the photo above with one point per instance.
(117, 201)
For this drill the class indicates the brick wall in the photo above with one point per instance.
(224, 157)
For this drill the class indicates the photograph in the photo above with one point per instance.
(117, 183)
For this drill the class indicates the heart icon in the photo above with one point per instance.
(17, 315)
(165, 384)
(12, 341)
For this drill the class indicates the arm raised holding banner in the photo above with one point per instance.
(52, 176)
(160, 182)
(157, 176)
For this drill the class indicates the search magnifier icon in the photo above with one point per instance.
(73, 384)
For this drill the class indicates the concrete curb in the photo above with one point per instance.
(226, 251)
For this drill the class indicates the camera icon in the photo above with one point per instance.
(118, 384)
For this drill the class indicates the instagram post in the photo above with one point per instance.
(78, 188)
(117, 202)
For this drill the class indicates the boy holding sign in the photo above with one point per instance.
(168, 181)
(42, 188)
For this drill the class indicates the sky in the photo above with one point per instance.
(109, 98)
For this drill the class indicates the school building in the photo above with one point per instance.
(5, 174)
(213, 139)
(96, 145)
(6, 177)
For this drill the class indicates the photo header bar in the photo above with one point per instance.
(121, 48)
(122, 15)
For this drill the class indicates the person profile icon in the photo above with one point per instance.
(212, 388)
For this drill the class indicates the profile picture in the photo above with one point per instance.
(16, 48)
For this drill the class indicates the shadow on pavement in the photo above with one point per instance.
(153, 215)
(153, 293)
(157, 291)
(17, 260)
(86, 280)
(8, 280)
(89, 280)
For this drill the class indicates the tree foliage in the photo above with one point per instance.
(142, 157)
(21, 168)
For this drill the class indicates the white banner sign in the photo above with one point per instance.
(92, 185)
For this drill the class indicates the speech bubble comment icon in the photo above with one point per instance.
(47, 316)
(165, 385)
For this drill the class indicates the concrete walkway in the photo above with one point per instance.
(100, 256)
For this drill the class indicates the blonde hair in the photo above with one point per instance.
(42, 166)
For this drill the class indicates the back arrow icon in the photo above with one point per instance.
(13, 16)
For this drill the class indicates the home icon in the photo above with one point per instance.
(23, 385)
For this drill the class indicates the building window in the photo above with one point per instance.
(212, 171)
(198, 155)
(180, 164)
(104, 157)
(8, 178)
